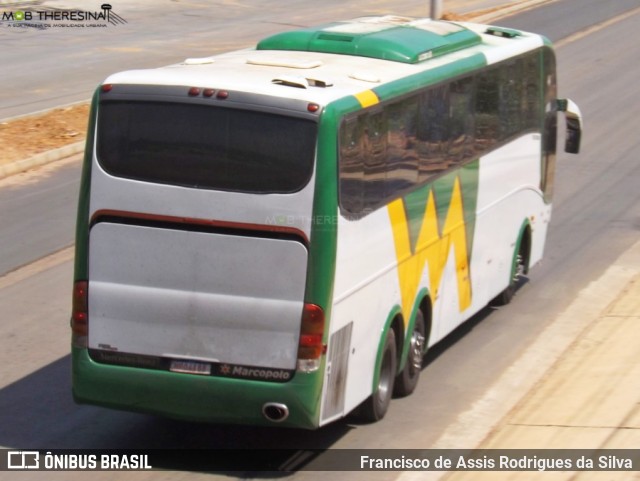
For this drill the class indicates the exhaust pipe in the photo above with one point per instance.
(275, 412)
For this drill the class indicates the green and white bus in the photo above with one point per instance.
(277, 235)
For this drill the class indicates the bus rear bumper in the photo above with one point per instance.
(194, 397)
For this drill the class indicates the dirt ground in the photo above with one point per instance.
(28, 136)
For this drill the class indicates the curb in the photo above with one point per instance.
(535, 404)
(510, 10)
(39, 160)
(44, 111)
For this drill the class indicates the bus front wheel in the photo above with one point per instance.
(518, 270)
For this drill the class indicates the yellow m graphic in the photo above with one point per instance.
(431, 249)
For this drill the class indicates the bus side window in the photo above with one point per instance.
(487, 111)
(402, 157)
(510, 80)
(461, 122)
(375, 158)
(532, 107)
(550, 133)
(433, 135)
(351, 175)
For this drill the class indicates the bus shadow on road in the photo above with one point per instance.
(38, 412)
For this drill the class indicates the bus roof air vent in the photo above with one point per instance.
(198, 61)
(365, 77)
(503, 32)
(291, 81)
(389, 38)
(301, 82)
(287, 62)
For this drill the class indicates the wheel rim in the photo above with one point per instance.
(416, 348)
(519, 270)
(386, 377)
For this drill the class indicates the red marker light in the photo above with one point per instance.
(313, 108)
(194, 91)
(107, 87)
(208, 92)
(310, 344)
(80, 308)
(222, 94)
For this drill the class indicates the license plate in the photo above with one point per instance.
(190, 367)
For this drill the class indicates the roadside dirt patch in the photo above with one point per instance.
(25, 137)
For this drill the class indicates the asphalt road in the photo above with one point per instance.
(45, 69)
(596, 217)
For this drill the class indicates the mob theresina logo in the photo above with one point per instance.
(62, 18)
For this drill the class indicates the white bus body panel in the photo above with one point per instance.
(175, 293)
(367, 285)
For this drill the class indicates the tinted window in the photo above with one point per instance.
(550, 125)
(389, 149)
(205, 147)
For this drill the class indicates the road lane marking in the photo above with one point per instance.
(596, 28)
(35, 268)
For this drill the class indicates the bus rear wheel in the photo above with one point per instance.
(407, 380)
(376, 406)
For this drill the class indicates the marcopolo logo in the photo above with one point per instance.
(255, 373)
(53, 18)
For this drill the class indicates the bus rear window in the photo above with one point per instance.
(205, 147)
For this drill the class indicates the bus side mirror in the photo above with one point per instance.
(574, 125)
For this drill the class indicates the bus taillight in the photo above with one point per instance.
(80, 308)
(310, 347)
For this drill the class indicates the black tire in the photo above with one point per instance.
(407, 380)
(519, 270)
(376, 406)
